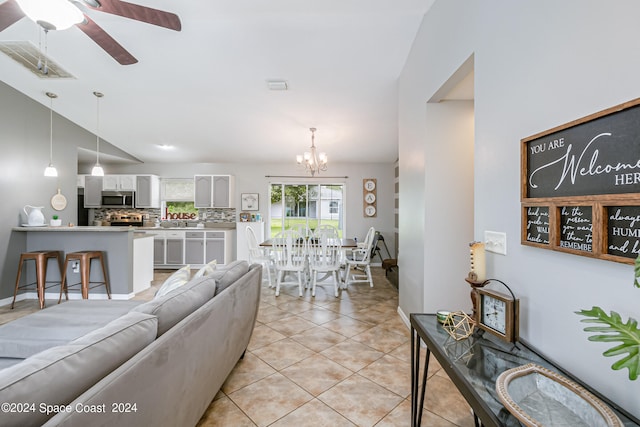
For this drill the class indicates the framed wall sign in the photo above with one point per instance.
(249, 202)
(369, 197)
(580, 186)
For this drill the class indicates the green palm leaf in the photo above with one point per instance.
(611, 328)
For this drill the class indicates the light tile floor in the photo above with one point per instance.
(323, 361)
(327, 361)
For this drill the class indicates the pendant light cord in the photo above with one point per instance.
(50, 130)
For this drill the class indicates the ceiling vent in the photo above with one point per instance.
(277, 85)
(28, 55)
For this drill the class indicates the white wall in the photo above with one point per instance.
(24, 141)
(538, 64)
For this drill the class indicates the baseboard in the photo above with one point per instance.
(53, 296)
(404, 318)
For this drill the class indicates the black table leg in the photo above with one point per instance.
(416, 408)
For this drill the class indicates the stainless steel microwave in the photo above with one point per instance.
(118, 199)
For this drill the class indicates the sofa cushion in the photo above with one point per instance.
(179, 303)
(57, 325)
(58, 375)
(229, 274)
(209, 268)
(177, 279)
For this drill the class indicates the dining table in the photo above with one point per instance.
(345, 243)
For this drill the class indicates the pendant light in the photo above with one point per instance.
(51, 170)
(313, 161)
(97, 169)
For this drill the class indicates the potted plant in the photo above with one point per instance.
(55, 221)
(611, 328)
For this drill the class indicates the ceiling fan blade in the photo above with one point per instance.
(139, 13)
(105, 41)
(10, 13)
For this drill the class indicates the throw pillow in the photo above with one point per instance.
(177, 279)
(206, 270)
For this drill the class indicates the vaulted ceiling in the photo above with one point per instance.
(204, 90)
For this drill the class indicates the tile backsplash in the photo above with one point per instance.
(208, 214)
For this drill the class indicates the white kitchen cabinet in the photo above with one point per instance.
(158, 249)
(147, 191)
(222, 191)
(80, 181)
(92, 191)
(194, 248)
(214, 191)
(119, 183)
(218, 247)
(203, 189)
(176, 248)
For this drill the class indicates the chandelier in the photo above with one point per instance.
(312, 161)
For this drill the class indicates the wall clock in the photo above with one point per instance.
(497, 314)
(369, 197)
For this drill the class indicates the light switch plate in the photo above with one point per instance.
(495, 241)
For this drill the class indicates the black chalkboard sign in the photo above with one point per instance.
(576, 228)
(623, 231)
(537, 218)
(599, 154)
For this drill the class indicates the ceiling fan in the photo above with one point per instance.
(44, 12)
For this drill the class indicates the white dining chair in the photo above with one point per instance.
(289, 256)
(325, 257)
(360, 259)
(326, 229)
(258, 255)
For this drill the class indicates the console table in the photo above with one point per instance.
(473, 365)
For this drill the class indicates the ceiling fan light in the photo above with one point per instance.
(50, 170)
(58, 14)
(97, 170)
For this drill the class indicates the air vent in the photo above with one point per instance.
(277, 85)
(27, 54)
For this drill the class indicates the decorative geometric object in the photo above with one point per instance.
(459, 325)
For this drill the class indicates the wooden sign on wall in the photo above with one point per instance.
(580, 186)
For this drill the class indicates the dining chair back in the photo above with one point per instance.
(325, 257)
(360, 258)
(257, 255)
(289, 255)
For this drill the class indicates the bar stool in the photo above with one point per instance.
(85, 258)
(41, 259)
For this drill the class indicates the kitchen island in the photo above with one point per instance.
(128, 256)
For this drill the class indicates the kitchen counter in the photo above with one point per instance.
(128, 254)
(209, 226)
(75, 229)
(111, 229)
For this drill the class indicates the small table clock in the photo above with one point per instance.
(497, 314)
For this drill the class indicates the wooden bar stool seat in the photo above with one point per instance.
(85, 258)
(41, 259)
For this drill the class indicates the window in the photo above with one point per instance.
(177, 199)
(305, 206)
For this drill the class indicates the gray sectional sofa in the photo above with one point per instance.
(128, 363)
